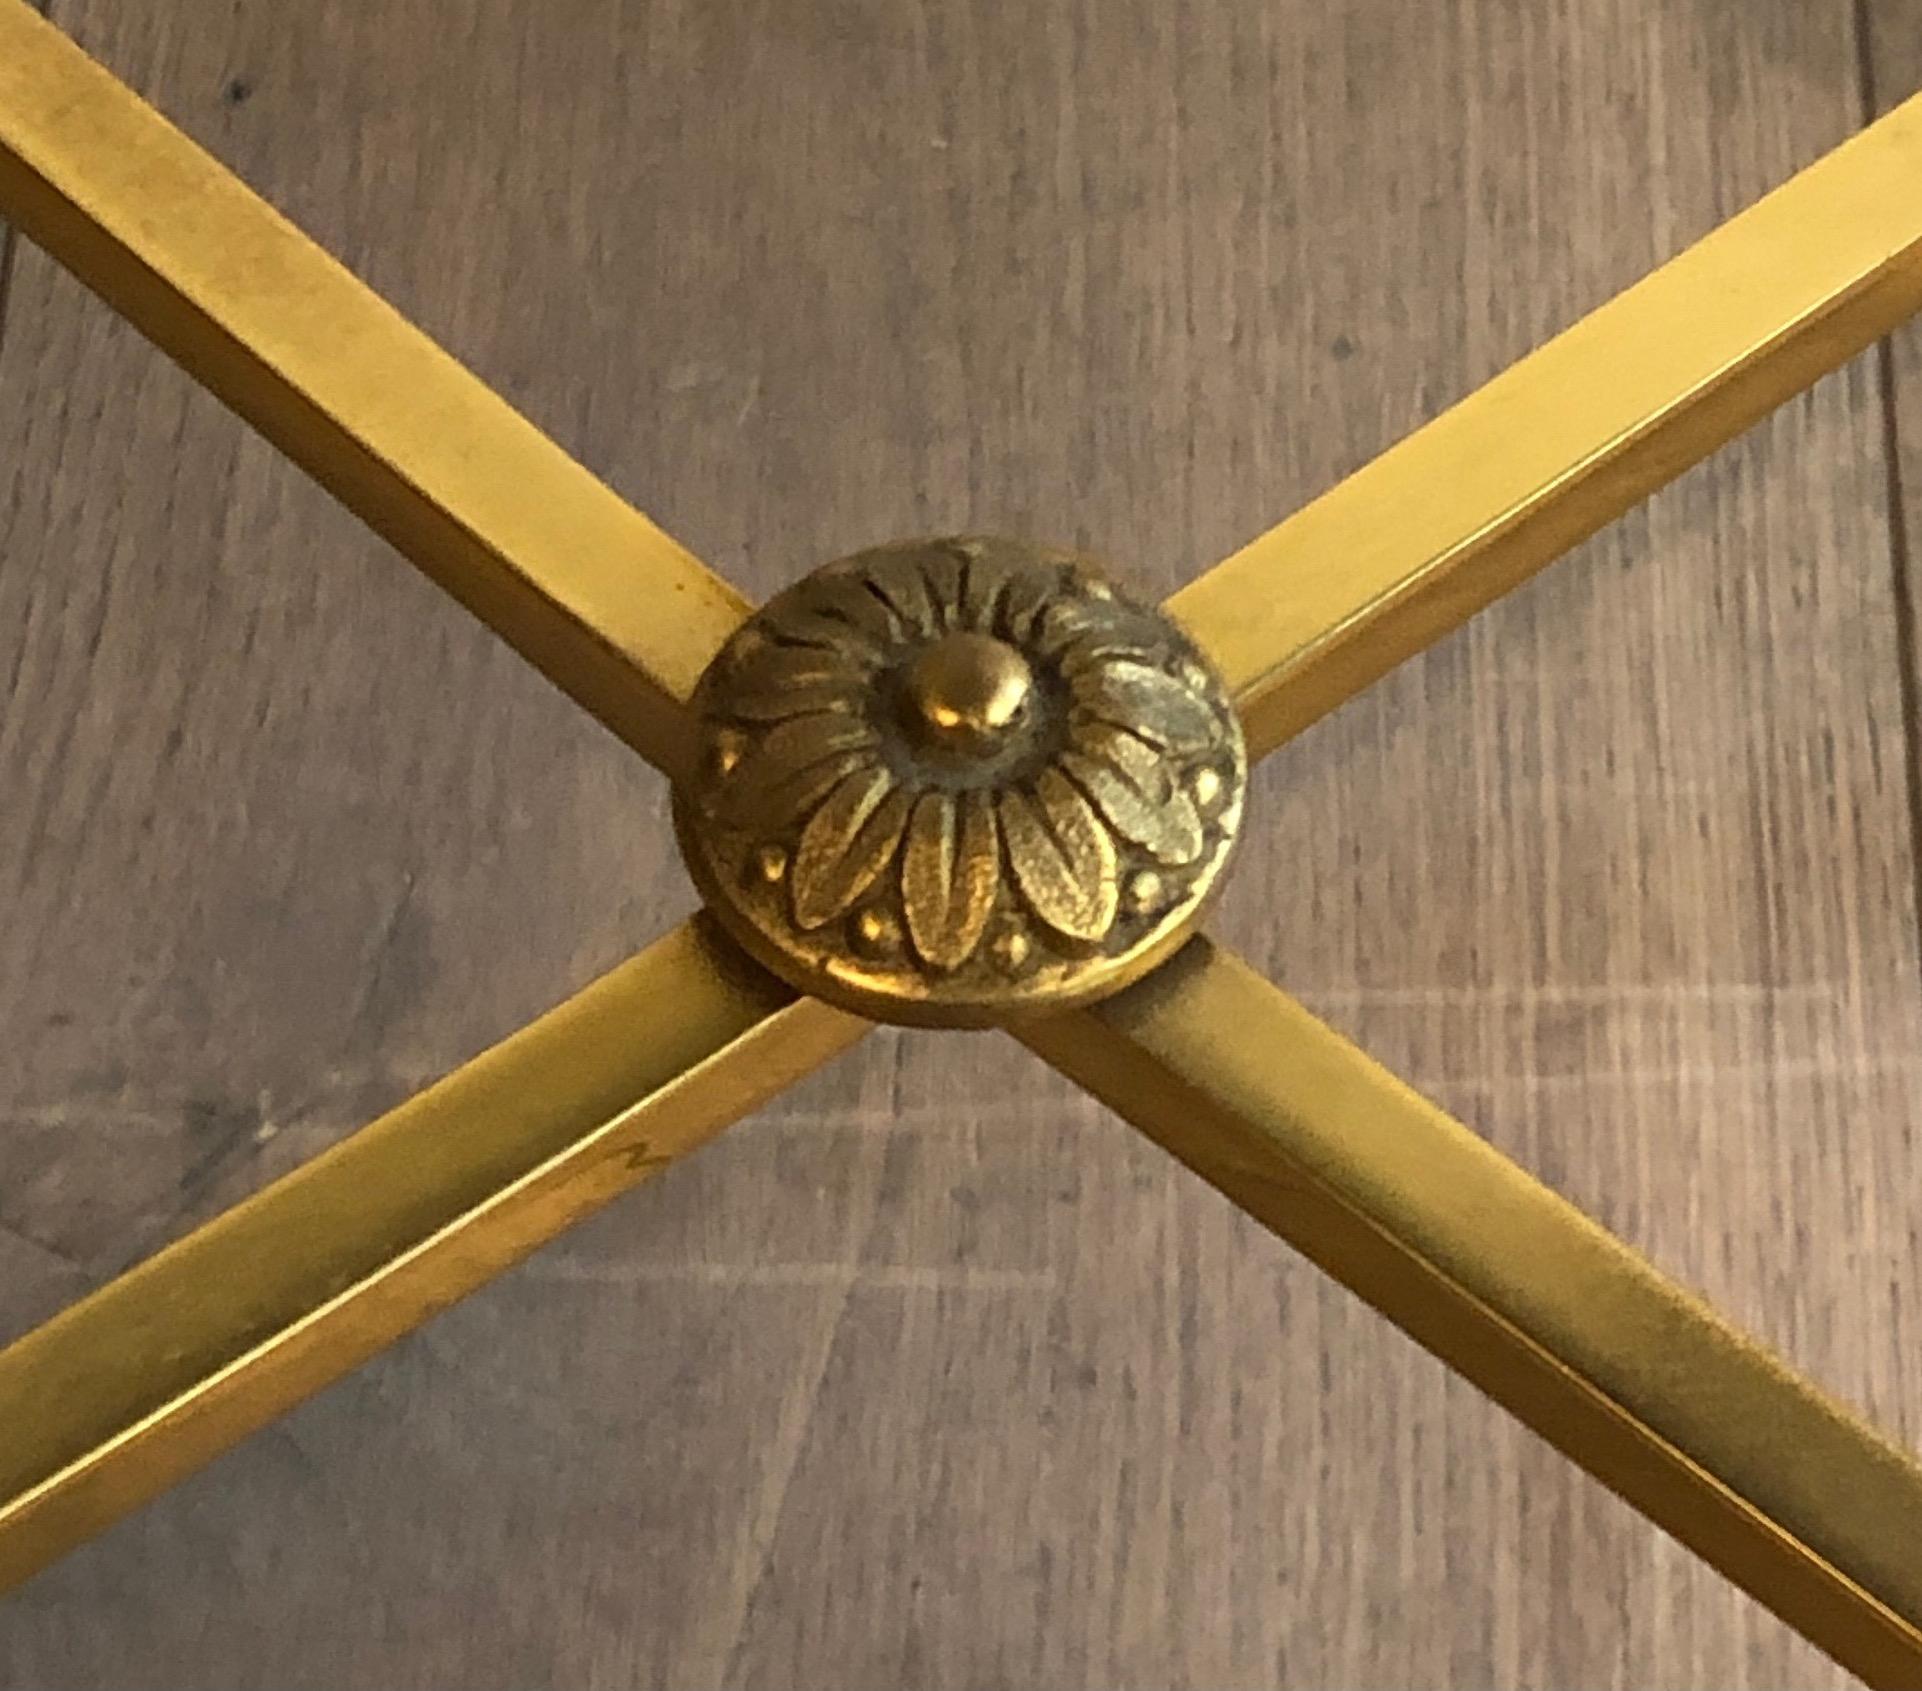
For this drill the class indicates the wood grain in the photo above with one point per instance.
(1890, 38)
(935, 1375)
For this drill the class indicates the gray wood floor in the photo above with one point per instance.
(933, 1375)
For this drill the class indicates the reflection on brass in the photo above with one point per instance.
(954, 782)
(463, 486)
(1556, 1319)
(1444, 522)
(154, 1373)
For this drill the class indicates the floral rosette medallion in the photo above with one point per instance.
(954, 782)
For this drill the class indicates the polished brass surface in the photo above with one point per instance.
(139, 1384)
(1567, 439)
(991, 820)
(1702, 1429)
(586, 588)
(967, 694)
(958, 782)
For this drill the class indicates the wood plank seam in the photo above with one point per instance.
(1908, 662)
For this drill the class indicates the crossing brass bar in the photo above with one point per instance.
(1699, 1427)
(586, 588)
(145, 1380)
(1444, 523)
(135, 1386)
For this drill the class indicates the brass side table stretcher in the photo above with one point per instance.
(967, 782)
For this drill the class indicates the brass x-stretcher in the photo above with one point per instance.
(1714, 1438)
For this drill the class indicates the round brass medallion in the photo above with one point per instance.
(956, 782)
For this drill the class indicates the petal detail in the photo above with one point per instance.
(1028, 595)
(1063, 622)
(781, 775)
(905, 592)
(950, 872)
(847, 597)
(778, 807)
(1063, 858)
(802, 627)
(846, 845)
(1160, 709)
(841, 615)
(1111, 639)
(944, 574)
(776, 682)
(981, 588)
(1131, 788)
(1140, 762)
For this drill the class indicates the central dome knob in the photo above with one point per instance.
(966, 691)
(960, 782)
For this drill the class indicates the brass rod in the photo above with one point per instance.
(1441, 525)
(1700, 1428)
(132, 1388)
(586, 588)
(135, 1386)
